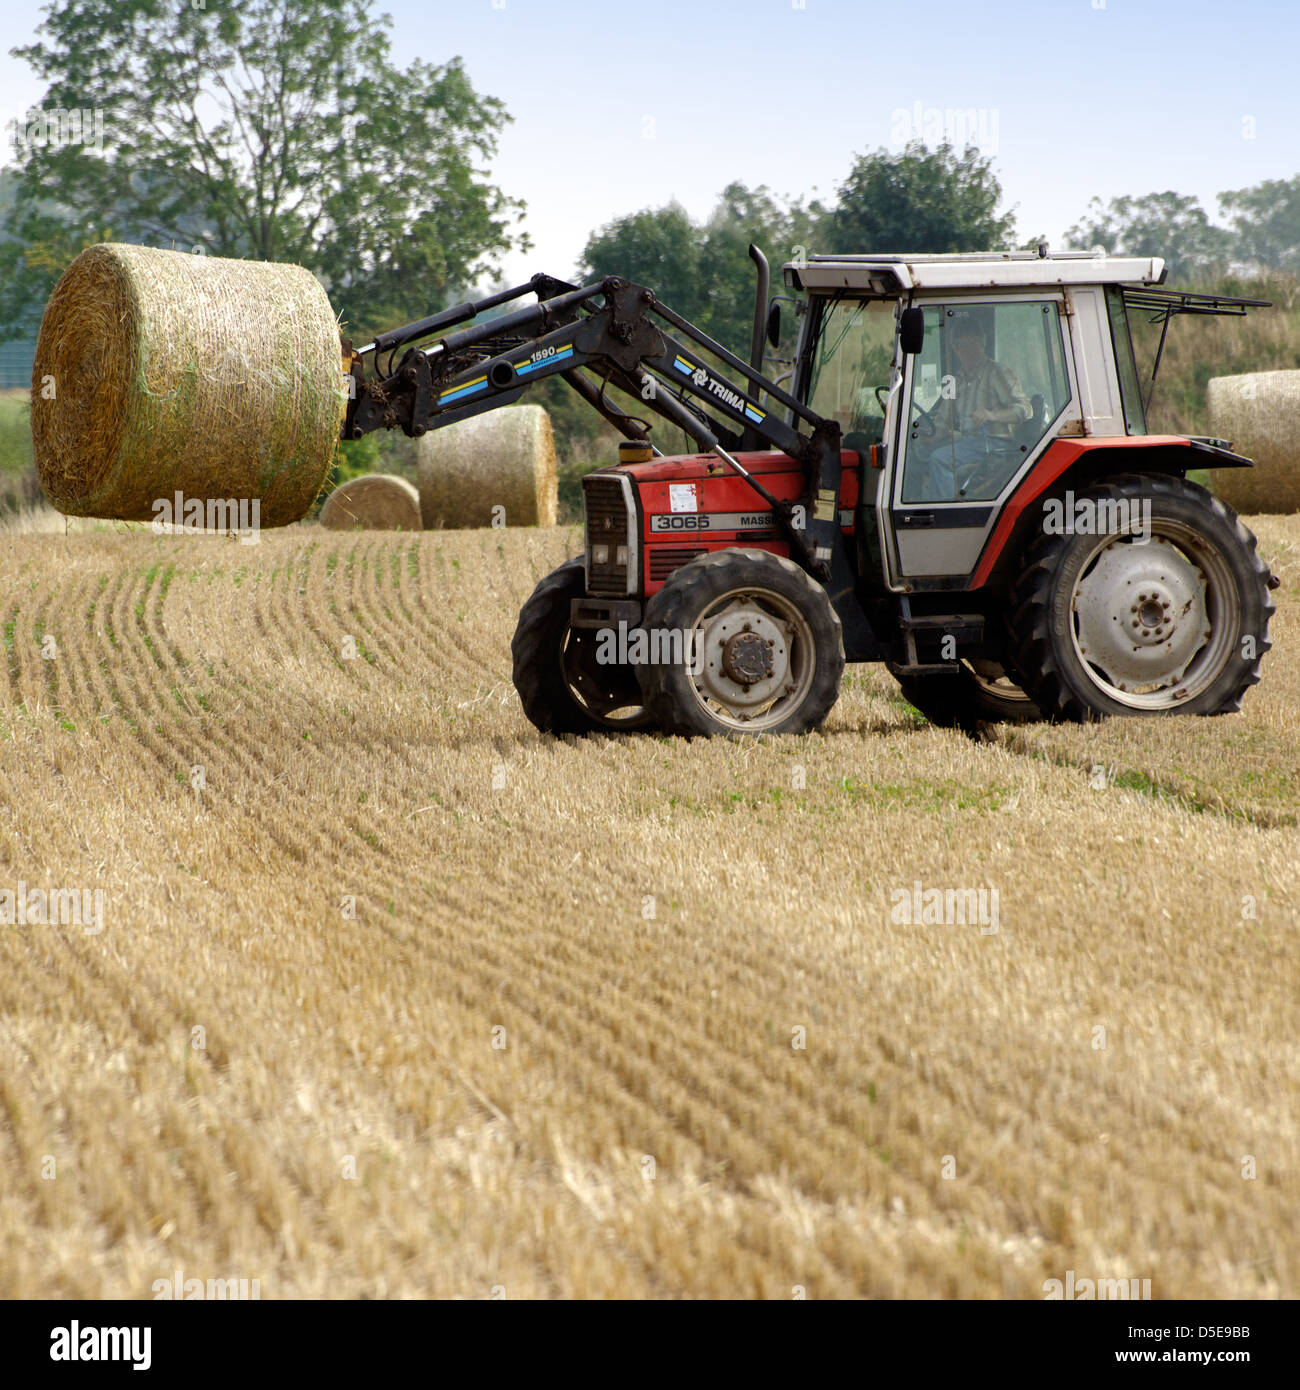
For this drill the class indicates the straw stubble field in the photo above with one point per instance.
(501, 1074)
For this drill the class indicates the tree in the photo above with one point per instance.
(917, 200)
(1266, 219)
(36, 246)
(780, 229)
(272, 129)
(701, 269)
(656, 247)
(1171, 225)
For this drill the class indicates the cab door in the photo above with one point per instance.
(978, 405)
(854, 374)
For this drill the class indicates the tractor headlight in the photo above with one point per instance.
(600, 554)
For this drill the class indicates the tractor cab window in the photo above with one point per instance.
(1130, 390)
(850, 372)
(987, 387)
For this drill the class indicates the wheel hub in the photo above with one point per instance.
(1140, 614)
(744, 656)
(747, 658)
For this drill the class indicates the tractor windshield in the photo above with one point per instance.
(855, 348)
(989, 383)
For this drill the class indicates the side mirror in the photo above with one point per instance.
(774, 324)
(911, 331)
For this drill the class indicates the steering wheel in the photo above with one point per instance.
(926, 422)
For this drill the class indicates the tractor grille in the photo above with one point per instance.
(611, 548)
(664, 559)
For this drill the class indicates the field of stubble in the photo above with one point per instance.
(396, 997)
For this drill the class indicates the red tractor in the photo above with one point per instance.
(956, 479)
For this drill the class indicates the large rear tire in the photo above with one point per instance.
(563, 688)
(1104, 625)
(766, 643)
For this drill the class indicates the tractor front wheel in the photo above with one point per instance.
(748, 643)
(563, 686)
(1165, 612)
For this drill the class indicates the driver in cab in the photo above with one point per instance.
(988, 407)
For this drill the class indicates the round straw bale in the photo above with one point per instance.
(1260, 413)
(159, 372)
(376, 502)
(501, 459)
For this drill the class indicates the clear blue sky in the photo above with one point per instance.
(620, 106)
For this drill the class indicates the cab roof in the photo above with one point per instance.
(890, 274)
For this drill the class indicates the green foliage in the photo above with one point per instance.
(38, 247)
(658, 248)
(1169, 225)
(273, 129)
(1266, 219)
(571, 417)
(781, 230)
(357, 457)
(381, 451)
(17, 467)
(917, 200)
(701, 269)
(15, 432)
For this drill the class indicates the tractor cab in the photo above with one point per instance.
(1010, 352)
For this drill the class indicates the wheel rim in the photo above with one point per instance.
(994, 681)
(1154, 624)
(610, 695)
(754, 659)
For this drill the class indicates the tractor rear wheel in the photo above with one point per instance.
(979, 691)
(1106, 624)
(563, 687)
(759, 648)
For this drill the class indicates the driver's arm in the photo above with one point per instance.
(1012, 407)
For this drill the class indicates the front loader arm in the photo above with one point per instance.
(471, 370)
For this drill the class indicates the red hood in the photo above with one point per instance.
(676, 467)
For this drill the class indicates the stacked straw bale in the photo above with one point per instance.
(504, 458)
(160, 372)
(376, 502)
(1259, 412)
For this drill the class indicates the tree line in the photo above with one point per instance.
(285, 130)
